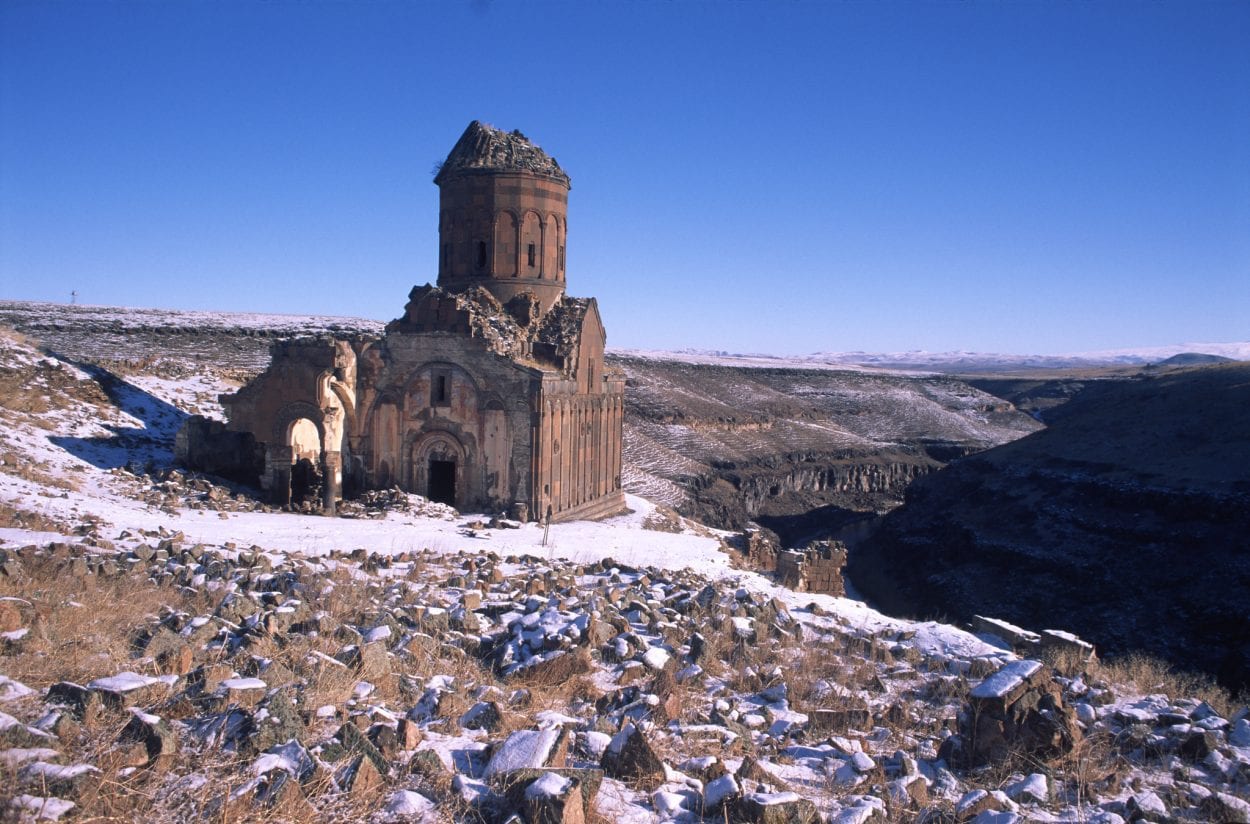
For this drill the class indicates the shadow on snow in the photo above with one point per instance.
(151, 443)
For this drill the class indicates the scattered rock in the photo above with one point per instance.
(1018, 709)
(151, 735)
(777, 808)
(630, 757)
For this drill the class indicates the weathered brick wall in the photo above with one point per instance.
(825, 576)
(790, 570)
(816, 569)
(761, 550)
(488, 222)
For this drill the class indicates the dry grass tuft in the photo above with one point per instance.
(12, 517)
(78, 631)
(1151, 675)
(37, 472)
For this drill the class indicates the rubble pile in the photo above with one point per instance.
(174, 490)
(376, 503)
(487, 688)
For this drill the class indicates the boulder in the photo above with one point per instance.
(10, 615)
(1017, 710)
(484, 715)
(777, 808)
(1225, 807)
(129, 689)
(514, 785)
(408, 733)
(73, 781)
(355, 742)
(151, 738)
(277, 792)
(630, 757)
(15, 734)
(554, 799)
(171, 653)
(241, 692)
(839, 720)
(529, 749)
(281, 723)
(359, 777)
(84, 704)
(721, 794)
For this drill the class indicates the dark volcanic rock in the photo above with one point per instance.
(1127, 522)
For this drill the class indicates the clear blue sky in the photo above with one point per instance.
(779, 177)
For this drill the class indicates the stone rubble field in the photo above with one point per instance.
(148, 678)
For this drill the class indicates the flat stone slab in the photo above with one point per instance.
(123, 682)
(1012, 634)
(1008, 684)
(523, 749)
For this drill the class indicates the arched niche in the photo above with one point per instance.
(385, 439)
(505, 244)
(551, 245)
(531, 245)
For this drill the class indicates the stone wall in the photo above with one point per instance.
(818, 568)
(207, 445)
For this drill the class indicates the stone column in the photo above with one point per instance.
(277, 478)
(332, 479)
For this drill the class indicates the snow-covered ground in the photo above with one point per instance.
(23, 313)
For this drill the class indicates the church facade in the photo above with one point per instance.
(489, 393)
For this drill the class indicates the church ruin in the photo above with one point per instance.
(489, 393)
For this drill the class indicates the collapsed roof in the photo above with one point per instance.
(484, 148)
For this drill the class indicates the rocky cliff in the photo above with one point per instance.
(730, 444)
(1129, 517)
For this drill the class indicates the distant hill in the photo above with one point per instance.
(1127, 520)
(1194, 359)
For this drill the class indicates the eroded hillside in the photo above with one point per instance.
(729, 444)
(1130, 515)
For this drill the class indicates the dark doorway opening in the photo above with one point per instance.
(442, 482)
(305, 481)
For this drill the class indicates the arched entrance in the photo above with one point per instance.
(304, 439)
(438, 467)
(294, 457)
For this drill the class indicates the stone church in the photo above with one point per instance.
(489, 393)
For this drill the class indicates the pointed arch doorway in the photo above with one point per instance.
(438, 468)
